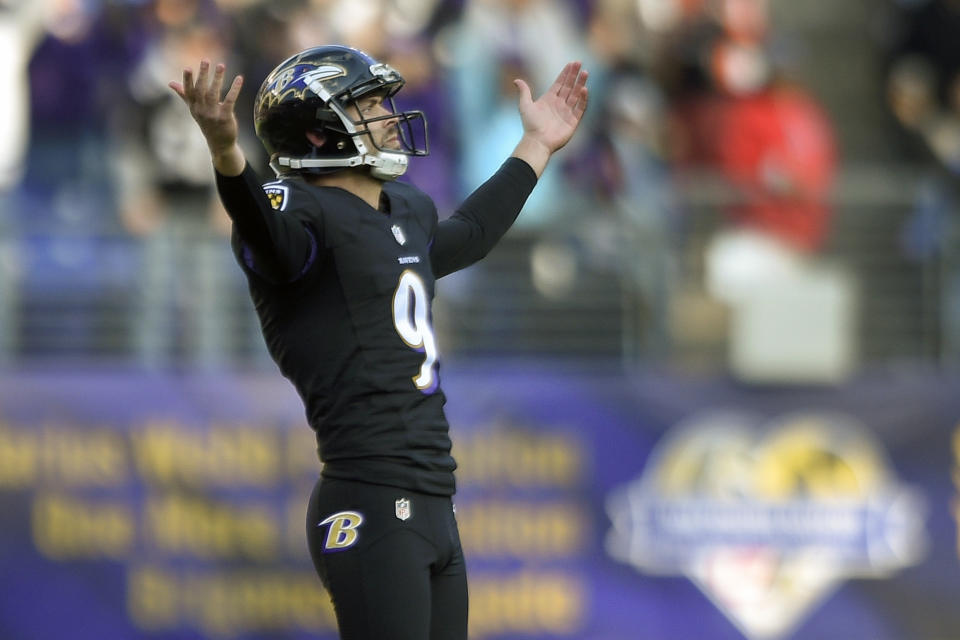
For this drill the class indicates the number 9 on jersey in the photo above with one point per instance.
(411, 317)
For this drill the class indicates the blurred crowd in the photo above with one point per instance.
(922, 71)
(96, 151)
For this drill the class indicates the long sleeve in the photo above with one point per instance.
(483, 218)
(278, 246)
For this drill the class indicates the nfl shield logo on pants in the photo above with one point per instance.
(403, 509)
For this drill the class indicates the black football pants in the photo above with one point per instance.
(390, 560)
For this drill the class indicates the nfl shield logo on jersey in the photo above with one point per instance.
(403, 509)
(398, 234)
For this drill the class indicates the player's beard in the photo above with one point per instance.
(388, 138)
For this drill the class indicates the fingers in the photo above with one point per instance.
(177, 88)
(233, 92)
(570, 87)
(525, 95)
(216, 87)
(570, 74)
(577, 98)
(202, 92)
(557, 86)
(581, 106)
(202, 79)
(187, 86)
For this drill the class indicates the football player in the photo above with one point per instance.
(341, 261)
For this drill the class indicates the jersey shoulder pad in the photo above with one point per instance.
(421, 204)
(405, 190)
(287, 195)
(278, 192)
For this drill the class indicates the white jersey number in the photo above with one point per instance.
(411, 317)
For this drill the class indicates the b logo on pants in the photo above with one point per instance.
(343, 530)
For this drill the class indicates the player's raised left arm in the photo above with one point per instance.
(484, 217)
(551, 120)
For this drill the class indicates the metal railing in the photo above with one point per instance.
(570, 294)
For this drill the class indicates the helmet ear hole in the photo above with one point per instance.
(326, 116)
(317, 138)
(330, 143)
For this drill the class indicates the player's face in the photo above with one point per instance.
(384, 133)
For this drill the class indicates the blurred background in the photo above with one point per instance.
(706, 386)
(760, 188)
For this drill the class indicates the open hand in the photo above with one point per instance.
(553, 118)
(215, 117)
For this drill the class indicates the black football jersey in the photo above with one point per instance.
(344, 291)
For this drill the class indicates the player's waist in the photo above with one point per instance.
(432, 474)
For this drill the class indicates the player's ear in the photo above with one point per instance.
(316, 138)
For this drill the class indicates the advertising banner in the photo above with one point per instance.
(592, 506)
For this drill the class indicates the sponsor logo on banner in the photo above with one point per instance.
(767, 518)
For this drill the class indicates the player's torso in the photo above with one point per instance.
(383, 270)
(354, 335)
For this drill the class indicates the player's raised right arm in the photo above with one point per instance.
(276, 247)
(215, 117)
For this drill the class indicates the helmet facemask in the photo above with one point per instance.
(387, 161)
(336, 115)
